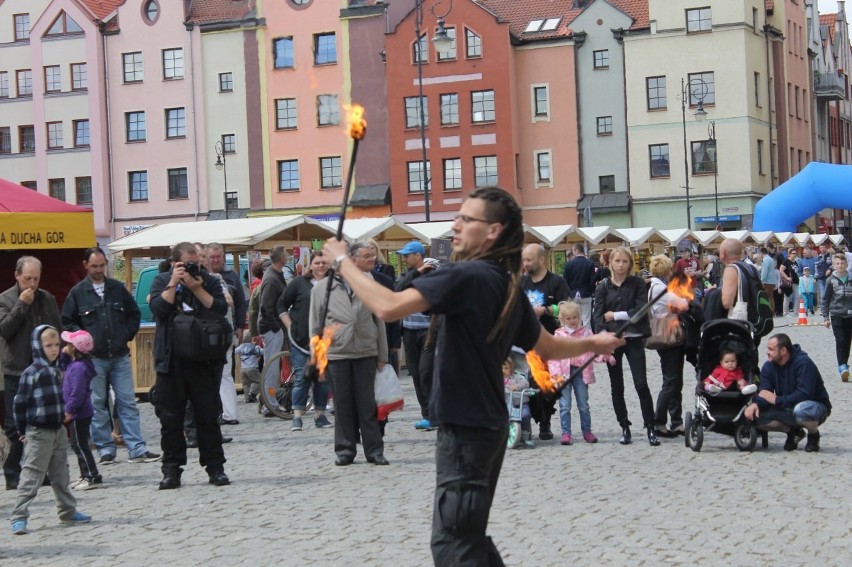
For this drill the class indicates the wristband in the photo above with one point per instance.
(340, 258)
(555, 309)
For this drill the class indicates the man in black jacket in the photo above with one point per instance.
(103, 307)
(180, 379)
(579, 274)
(23, 307)
(268, 324)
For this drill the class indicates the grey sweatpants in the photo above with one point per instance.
(45, 451)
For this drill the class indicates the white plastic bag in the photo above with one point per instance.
(388, 392)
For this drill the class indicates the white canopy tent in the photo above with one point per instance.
(705, 237)
(760, 237)
(836, 238)
(783, 237)
(434, 229)
(594, 235)
(551, 235)
(819, 238)
(638, 236)
(674, 235)
(386, 228)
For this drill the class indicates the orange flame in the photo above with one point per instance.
(543, 379)
(355, 120)
(319, 348)
(681, 286)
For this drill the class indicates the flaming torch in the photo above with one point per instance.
(357, 128)
(551, 386)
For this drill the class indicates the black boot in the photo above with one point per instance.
(626, 438)
(652, 438)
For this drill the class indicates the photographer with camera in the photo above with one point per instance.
(186, 301)
(104, 308)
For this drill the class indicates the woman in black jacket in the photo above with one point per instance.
(617, 298)
(294, 310)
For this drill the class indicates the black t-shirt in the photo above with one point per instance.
(548, 292)
(467, 386)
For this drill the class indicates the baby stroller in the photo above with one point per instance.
(515, 402)
(723, 412)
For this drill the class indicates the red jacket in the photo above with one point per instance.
(725, 378)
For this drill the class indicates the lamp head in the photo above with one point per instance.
(700, 113)
(220, 164)
(442, 41)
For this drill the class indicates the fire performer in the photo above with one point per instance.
(484, 314)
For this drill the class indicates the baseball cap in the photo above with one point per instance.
(806, 269)
(412, 247)
(81, 340)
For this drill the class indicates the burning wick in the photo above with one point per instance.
(356, 121)
(680, 286)
(319, 351)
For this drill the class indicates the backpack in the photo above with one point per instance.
(715, 275)
(758, 310)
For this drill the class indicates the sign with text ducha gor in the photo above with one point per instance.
(441, 249)
(34, 231)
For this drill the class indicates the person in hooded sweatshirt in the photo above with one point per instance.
(39, 414)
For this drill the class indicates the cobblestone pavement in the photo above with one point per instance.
(601, 504)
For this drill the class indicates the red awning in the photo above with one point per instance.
(15, 198)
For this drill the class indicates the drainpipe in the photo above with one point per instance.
(110, 173)
(769, 79)
(195, 128)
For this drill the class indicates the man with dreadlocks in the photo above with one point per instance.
(483, 314)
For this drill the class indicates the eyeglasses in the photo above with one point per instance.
(368, 256)
(465, 219)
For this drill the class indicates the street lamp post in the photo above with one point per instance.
(221, 165)
(443, 44)
(694, 89)
(713, 150)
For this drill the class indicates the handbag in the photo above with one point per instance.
(666, 332)
(388, 392)
(739, 311)
(204, 338)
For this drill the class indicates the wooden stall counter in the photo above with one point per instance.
(142, 359)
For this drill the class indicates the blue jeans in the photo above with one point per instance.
(301, 386)
(581, 391)
(803, 412)
(115, 372)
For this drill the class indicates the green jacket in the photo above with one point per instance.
(17, 322)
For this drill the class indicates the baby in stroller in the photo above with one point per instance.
(727, 364)
(517, 396)
(726, 374)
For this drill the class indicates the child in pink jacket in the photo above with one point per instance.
(569, 317)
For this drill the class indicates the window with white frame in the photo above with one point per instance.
(22, 27)
(449, 109)
(331, 172)
(79, 77)
(413, 109)
(52, 79)
(543, 169)
(25, 82)
(288, 175)
(604, 124)
(482, 106)
(286, 115)
(132, 67)
(485, 170)
(452, 174)
(451, 53)
(698, 20)
(541, 101)
(473, 44)
(325, 48)
(54, 135)
(173, 64)
(328, 111)
(416, 178)
(81, 134)
(175, 123)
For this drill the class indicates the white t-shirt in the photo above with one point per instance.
(99, 289)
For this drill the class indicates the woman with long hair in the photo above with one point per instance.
(617, 298)
(294, 311)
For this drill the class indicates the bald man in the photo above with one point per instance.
(545, 290)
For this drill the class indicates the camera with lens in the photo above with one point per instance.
(193, 269)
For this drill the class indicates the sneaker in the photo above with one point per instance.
(251, 398)
(321, 422)
(77, 518)
(589, 437)
(296, 425)
(146, 457)
(527, 437)
(712, 388)
(88, 484)
(812, 446)
(566, 439)
(843, 370)
(19, 527)
(423, 424)
(749, 390)
(544, 433)
(107, 459)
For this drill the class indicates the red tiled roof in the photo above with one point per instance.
(636, 9)
(828, 20)
(102, 8)
(212, 11)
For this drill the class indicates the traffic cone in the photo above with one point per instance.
(803, 316)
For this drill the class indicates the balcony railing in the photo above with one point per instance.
(830, 86)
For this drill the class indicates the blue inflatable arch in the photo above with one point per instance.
(818, 186)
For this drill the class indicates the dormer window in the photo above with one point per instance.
(64, 25)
